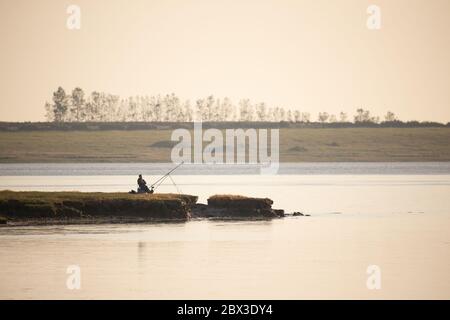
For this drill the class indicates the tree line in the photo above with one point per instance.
(104, 107)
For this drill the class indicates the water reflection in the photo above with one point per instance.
(396, 222)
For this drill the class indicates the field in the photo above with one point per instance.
(296, 145)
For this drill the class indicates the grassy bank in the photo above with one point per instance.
(296, 145)
(79, 205)
(237, 205)
(19, 208)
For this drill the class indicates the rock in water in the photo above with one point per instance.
(239, 206)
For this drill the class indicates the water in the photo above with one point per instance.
(399, 222)
(306, 168)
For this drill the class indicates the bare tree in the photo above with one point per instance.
(202, 108)
(365, 116)
(132, 114)
(261, 112)
(289, 116)
(187, 112)
(361, 115)
(342, 117)
(323, 117)
(78, 104)
(49, 114)
(332, 119)
(306, 117)
(99, 106)
(246, 110)
(277, 115)
(60, 105)
(390, 117)
(226, 110)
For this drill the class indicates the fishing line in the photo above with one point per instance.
(158, 182)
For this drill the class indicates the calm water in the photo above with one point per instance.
(399, 222)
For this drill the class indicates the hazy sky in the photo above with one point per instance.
(315, 55)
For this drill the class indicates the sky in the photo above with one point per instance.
(313, 56)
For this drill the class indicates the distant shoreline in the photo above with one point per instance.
(142, 125)
(297, 144)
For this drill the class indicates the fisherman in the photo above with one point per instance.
(142, 185)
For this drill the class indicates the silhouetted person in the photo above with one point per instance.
(142, 185)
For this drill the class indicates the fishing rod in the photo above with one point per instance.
(158, 182)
